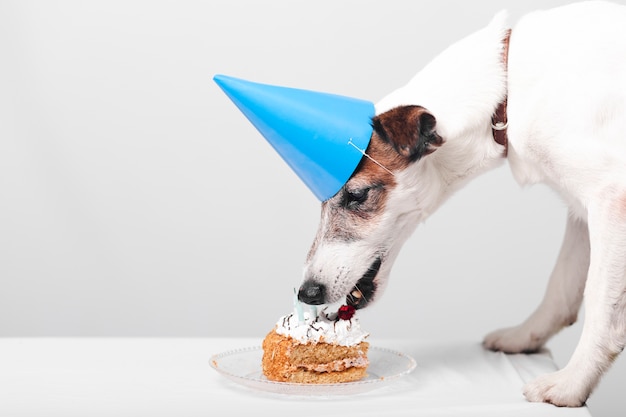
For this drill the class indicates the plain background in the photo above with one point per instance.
(135, 199)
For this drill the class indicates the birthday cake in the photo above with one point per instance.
(305, 347)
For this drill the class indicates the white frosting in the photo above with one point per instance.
(321, 328)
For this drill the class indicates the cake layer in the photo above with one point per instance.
(286, 359)
(301, 376)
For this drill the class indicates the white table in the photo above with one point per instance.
(172, 377)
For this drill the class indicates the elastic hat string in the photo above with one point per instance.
(369, 157)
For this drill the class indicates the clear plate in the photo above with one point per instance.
(243, 366)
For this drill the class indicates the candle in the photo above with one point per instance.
(298, 307)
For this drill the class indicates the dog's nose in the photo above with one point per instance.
(312, 293)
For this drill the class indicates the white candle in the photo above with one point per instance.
(298, 306)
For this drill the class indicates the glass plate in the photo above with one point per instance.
(244, 367)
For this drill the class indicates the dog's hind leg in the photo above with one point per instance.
(604, 331)
(562, 299)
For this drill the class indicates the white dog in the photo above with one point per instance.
(566, 88)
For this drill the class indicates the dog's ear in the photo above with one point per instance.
(411, 130)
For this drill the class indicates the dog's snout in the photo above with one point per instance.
(312, 293)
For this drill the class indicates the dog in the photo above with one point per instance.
(561, 79)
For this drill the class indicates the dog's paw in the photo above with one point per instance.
(560, 388)
(518, 339)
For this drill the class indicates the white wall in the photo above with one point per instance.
(135, 199)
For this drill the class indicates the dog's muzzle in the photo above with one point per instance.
(363, 292)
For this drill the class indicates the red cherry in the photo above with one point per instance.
(346, 312)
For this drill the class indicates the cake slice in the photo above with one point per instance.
(317, 349)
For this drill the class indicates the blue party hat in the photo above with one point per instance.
(321, 136)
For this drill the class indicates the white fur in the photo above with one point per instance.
(462, 88)
(566, 87)
(567, 128)
(567, 112)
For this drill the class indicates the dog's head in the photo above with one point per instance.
(364, 225)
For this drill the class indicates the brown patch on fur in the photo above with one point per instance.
(410, 130)
(345, 215)
(369, 172)
(400, 137)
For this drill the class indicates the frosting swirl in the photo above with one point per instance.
(321, 328)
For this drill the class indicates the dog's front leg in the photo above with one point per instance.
(561, 302)
(604, 331)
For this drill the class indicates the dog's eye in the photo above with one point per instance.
(353, 198)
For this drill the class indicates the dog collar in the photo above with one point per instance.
(499, 121)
